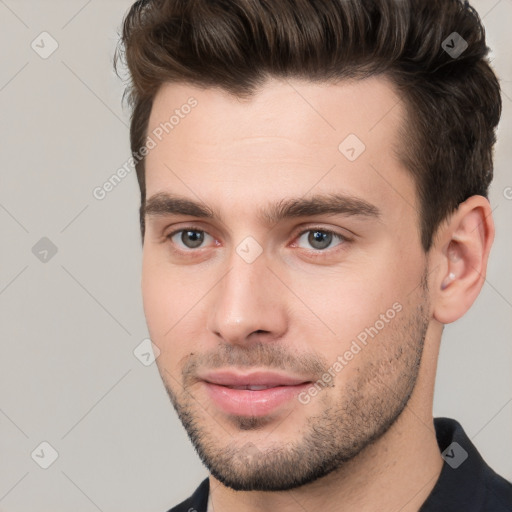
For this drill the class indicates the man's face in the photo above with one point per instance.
(324, 306)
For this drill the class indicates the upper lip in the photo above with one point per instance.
(256, 378)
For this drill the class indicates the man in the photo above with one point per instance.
(313, 179)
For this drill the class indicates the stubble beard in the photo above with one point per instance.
(368, 407)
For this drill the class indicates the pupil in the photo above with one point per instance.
(192, 238)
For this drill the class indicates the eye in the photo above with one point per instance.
(188, 238)
(321, 239)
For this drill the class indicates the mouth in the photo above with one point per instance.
(252, 394)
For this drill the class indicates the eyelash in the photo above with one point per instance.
(313, 252)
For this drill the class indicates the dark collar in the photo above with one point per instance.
(466, 482)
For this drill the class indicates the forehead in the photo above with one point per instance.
(307, 111)
(290, 137)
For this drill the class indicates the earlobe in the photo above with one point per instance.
(463, 250)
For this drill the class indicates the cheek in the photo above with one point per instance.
(165, 298)
(352, 300)
(171, 300)
(153, 297)
(159, 300)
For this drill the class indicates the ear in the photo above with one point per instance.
(460, 254)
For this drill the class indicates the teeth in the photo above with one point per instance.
(251, 388)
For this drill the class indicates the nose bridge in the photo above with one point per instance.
(245, 300)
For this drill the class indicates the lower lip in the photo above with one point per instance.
(244, 402)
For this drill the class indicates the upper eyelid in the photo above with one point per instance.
(329, 231)
(186, 228)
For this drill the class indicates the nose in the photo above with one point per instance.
(248, 304)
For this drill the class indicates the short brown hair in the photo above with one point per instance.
(453, 104)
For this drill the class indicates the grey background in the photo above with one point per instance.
(69, 326)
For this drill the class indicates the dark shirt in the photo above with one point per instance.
(466, 482)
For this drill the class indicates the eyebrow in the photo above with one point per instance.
(163, 204)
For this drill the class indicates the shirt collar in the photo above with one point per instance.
(461, 483)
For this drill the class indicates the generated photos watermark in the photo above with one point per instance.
(357, 345)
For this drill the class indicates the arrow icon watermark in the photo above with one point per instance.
(454, 45)
(352, 147)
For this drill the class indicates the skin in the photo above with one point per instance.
(367, 440)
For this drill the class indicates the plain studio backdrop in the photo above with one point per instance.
(71, 312)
